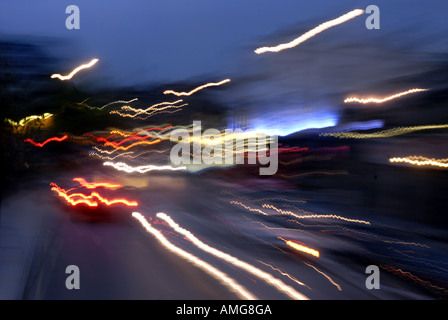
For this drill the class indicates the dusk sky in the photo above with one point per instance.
(161, 41)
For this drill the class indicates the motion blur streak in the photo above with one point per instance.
(378, 100)
(422, 161)
(249, 208)
(24, 121)
(284, 274)
(408, 275)
(211, 84)
(118, 101)
(62, 193)
(221, 276)
(326, 276)
(132, 145)
(75, 71)
(92, 185)
(127, 134)
(288, 290)
(313, 216)
(322, 27)
(300, 247)
(37, 144)
(86, 199)
(124, 154)
(138, 111)
(121, 166)
(385, 133)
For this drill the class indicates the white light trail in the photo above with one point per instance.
(221, 276)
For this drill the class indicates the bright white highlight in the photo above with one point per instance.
(75, 71)
(224, 278)
(322, 27)
(278, 284)
(121, 166)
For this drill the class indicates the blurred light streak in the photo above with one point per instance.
(337, 172)
(93, 185)
(322, 27)
(24, 121)
(408, 275)
(116, 144)
(278, 284)
(385, 133)
(87, 198)
(151, 108)
(314, 216)
(211, 84)
(124, 115)
(422, 161)
(109, 158)
(127, 134)
(37, 144)
(105, 151)
(325, 275)
(300, 247)
(121, 166)
(75, 71)
(116, 102)
(132, 145)
(284, 274)
(249, 208)
(362, 125)
(381, 100)
(217, 274)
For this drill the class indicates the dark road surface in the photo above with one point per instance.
(119, 259)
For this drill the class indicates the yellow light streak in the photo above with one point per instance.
(322, 27)
(216, 273)
(422, 161)
(75, 71)
(301, 248)
(381, 100)
(277, 283)
(132, 145)
(27, 119)
(384, 133)
(211, 84)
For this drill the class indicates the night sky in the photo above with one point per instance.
(150, 41)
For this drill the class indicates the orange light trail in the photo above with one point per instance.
(37, 144)
(422, 161)
(301, 248)
(132, 145)
(277, 283)
(88, 199)
(213, 271)
(92, 185)
(326, 276)
(381, 100)
(322, 27)
(127, 134)
(211, 84)
(75, 71)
